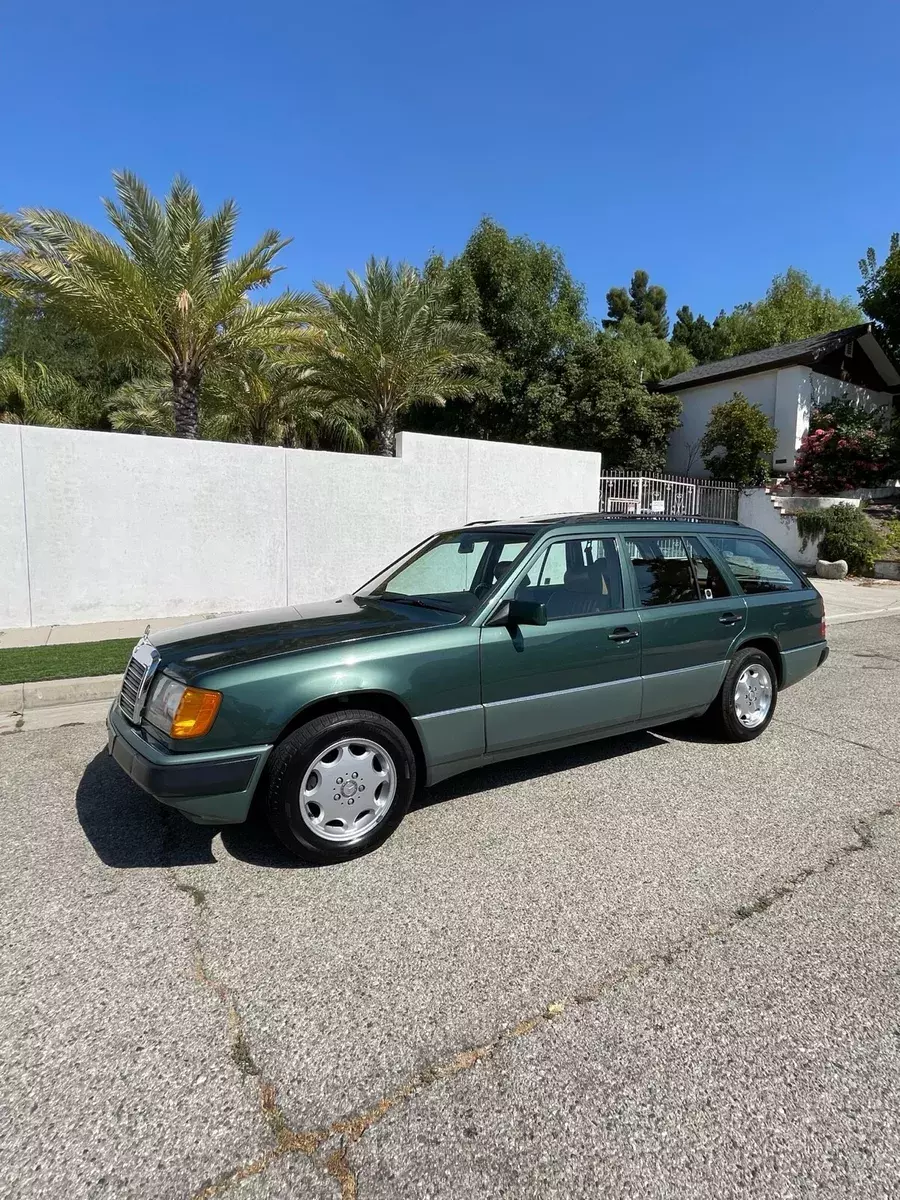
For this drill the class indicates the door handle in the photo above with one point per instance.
(623, 634)
(730, 618)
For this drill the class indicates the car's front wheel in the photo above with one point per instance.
(746, 702)
(340, 785)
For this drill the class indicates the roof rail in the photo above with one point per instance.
(654, 517)
(585, 518)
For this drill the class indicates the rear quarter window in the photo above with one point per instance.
(756, 567)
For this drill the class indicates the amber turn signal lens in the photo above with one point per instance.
(195, 713)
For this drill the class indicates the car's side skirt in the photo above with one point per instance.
(442, 771)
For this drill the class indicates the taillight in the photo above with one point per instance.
(823, 628)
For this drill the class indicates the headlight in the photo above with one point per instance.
(182, 712)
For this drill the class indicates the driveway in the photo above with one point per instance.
(654, 966)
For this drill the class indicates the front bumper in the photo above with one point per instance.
(214, 788)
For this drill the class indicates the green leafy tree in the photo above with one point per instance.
(521, 293)
(705, 342)
(654, 357)
(524, 298)
(793, 308)
(880, 291)
(608, 408)
(391, 341)
(31, 331)
(739, 442)
(165, 291)
(643, 302)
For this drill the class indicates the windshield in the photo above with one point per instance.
(454, 571)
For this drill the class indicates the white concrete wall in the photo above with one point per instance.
(105, 526)
(697, 404)
(756, 509)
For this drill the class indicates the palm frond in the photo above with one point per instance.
(161, 288)
(32, 394)
(388, 341)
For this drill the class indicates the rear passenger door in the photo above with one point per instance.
(577, 674)
(689, 621)
(779, 602)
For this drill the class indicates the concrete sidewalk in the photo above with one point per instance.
(99, 631)
(858, 600)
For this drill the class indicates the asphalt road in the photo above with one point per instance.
(654, 966)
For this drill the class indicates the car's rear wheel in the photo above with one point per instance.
(340, 785)
(746, 702)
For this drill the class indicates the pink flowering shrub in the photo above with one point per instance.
(846, 448)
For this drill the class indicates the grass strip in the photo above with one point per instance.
(31, 664)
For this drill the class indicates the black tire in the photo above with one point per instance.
(722, 712)
(292, 759)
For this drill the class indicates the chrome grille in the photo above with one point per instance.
(136, 680)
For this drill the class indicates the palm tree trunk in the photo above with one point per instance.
(186, 393)
(385, 432)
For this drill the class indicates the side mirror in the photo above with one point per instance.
(513, 613)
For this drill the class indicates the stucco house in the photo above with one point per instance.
(786, 382)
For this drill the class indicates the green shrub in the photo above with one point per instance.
(891, 531)
(746, 436)
(846, 532)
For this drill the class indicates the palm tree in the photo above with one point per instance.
(167, 292)
(390, 341)
(262, 401)
(9, 229)
(32, 394)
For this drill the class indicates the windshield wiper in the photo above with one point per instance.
(419, 603)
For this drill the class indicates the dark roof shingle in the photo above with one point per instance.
(807, 351)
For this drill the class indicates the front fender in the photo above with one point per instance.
(427, 672)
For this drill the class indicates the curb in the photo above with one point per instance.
(22, 697)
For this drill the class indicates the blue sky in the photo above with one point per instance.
(713, 144)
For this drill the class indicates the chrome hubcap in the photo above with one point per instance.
(753, 695)
(348, 790)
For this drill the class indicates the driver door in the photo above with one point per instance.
(578, 674)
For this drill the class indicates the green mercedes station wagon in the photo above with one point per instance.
(479, 645)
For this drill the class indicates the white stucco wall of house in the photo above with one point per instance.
(107, 526)
(697, 404)
(799, 391)
(787, 396)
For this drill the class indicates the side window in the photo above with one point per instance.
(662, 571)
(756, 567)
(710, 580)
(553, 566)
(576, 578)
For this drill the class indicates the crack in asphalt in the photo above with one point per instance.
(836, 737)
(318, 1144)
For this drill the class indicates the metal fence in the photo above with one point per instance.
(670, 495)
